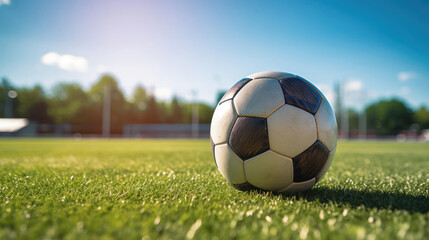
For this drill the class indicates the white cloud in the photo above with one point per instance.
(163, 93)
(405, 91)
(353, 84)
(405, 76)
(5, 2)
(50, 58)
(66, 62)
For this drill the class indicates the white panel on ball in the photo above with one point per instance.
(291, 130)
(223, 119)
(299, 186)
(251, 100)
(269, 171)
(271, 74)
(327, 165)
(229, 164)
(326, 125)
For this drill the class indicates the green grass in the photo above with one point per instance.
(162, 189)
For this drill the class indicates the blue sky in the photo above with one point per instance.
(173, 47)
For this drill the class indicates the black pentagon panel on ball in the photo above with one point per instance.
(310, 162)
(212, 146)
(234, 89)
(249, 137)
(299, 93)
(245, 187)
(314, 87)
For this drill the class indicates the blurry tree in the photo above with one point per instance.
(138, 105)
(187, 112)
(118, 105)
(96, 91)
(353, 119)
(7, 105)
(176, 115)
(421, 117)
(32, 104)
(388, 117)
(205, 113)
(68, 103)
(163, 112)
(139, 98)
(152, 112)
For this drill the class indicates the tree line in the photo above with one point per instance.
(70, 104)
(389, 117)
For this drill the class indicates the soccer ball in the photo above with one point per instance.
(273, 131)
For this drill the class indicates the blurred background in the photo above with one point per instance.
(88, 68)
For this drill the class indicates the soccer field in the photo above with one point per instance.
(171, 189)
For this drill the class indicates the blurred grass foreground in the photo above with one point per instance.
(171, 189)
